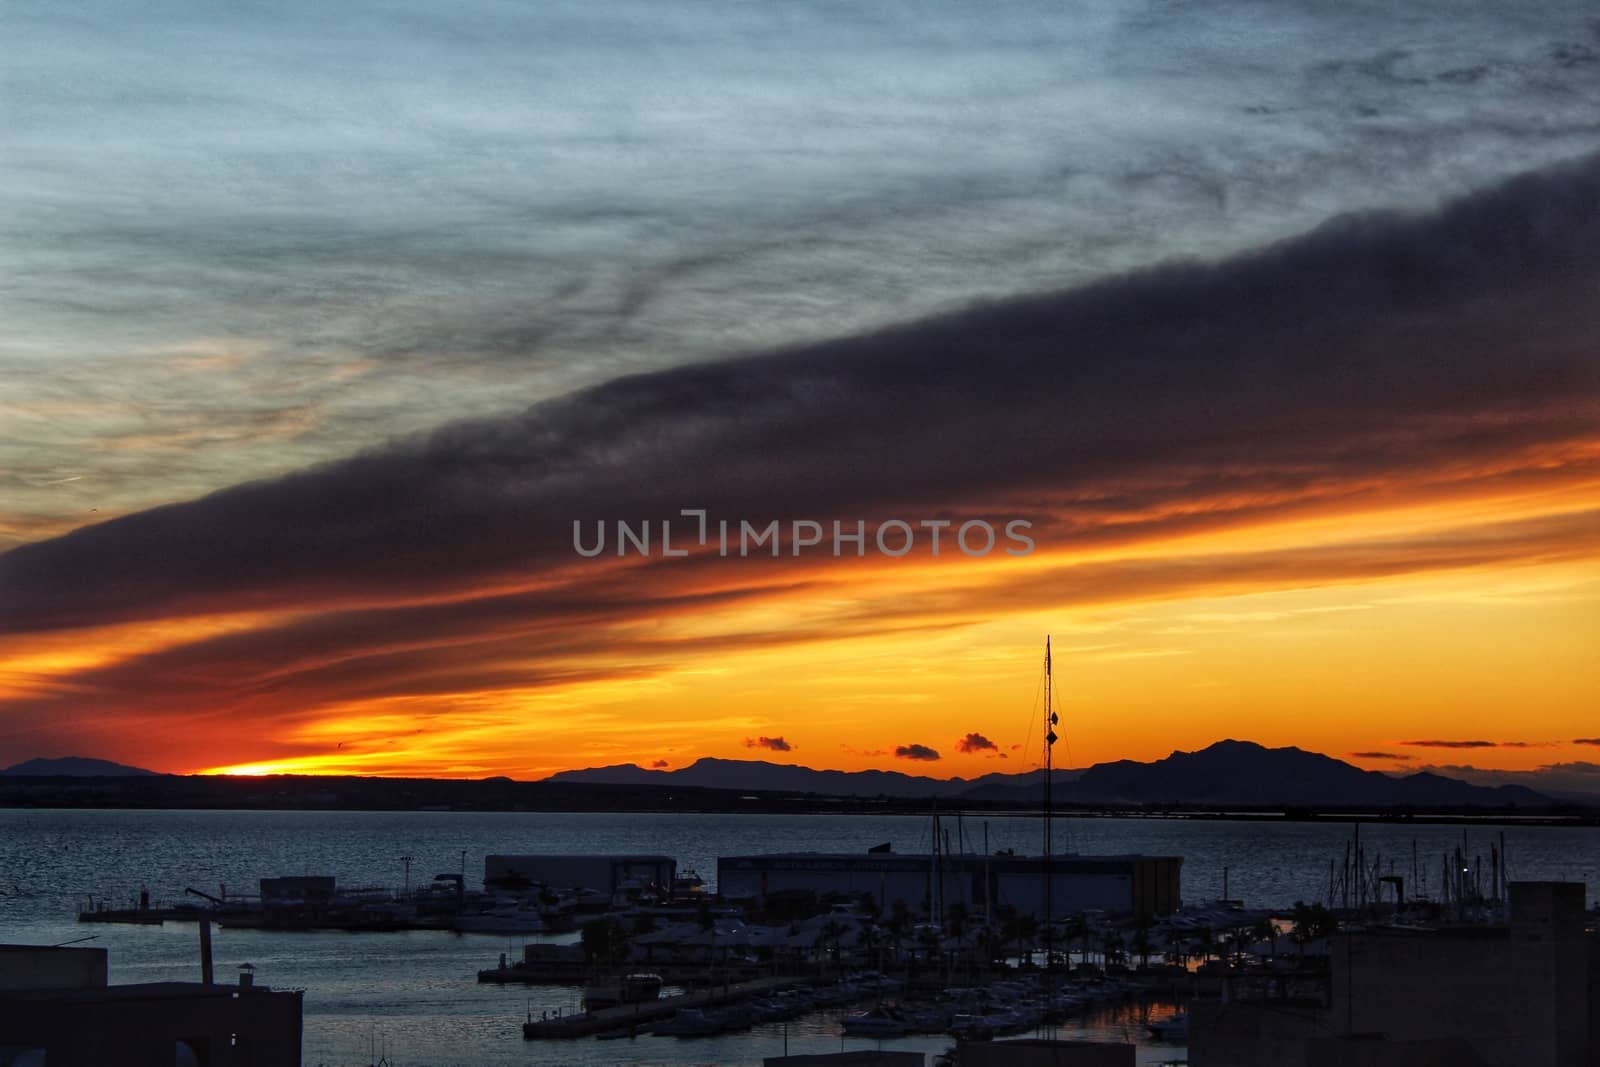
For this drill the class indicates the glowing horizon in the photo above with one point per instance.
(1286, 354)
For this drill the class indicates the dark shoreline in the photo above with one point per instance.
(308, 793)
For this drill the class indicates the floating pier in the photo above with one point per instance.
(626, 1016)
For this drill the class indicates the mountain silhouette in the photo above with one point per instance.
(1247, 774)
(711, 773)
(73, 767)
(1240, 773)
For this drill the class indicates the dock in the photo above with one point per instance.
(136, 916)
(625, 1016)
(576, 972)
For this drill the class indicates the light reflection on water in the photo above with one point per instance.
(415, 994)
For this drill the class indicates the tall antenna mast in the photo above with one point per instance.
(1050, 721)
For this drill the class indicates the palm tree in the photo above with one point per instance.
(955, 924)
(1111, 947)
(928, 941)
(869, 938)
(899, 927)
(1238, 941)
(1312, 922)
(1142, 944)
(604, 941)
(1076, 927)
(1022, 931)
(831, 931)
(955, 920)
(1266, 930)
(992, 942)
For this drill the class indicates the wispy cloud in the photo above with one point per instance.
(776, 744)
(489, 205)
(1451, 744)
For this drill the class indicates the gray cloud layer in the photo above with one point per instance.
(382, 217)
(1377, 349)
(1373, 347)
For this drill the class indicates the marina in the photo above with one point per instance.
(432, 989)
(629, 1017)
(800, 534)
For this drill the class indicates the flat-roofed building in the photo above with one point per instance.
(1143, 885)
(602, 873)
(299, 890)
(852, 1058)
(855, 1058)
(1045, 1052)
(56, 1009)
(51, 967)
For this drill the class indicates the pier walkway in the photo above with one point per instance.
(625, 1016)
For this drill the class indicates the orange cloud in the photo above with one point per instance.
(1269, 495)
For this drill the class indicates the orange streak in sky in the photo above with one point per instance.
(1462, 600)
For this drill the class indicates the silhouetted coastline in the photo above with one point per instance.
(318, 793)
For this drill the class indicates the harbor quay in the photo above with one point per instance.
(1484, 971)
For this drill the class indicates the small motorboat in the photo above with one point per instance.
(882, 1021)
(1172, 1028)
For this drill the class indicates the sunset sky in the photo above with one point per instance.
(323, 325)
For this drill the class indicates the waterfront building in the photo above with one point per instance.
(852, 1058)
(1525, 993)
(608, 874)
(57, 1009)
(1140, 885)
(1044, 1052)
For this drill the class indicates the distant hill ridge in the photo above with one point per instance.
(709, 772)
(73, 767)
(1228, 772)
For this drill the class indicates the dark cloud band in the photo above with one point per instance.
(1376, 350)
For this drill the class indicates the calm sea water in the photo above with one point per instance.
(415, 997)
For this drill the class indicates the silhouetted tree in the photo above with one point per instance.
(1142, 944)
(1112, 947)
(1312, 922)
(1266, 930)
(1075, 928)
(605, 941)
(828, 937)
